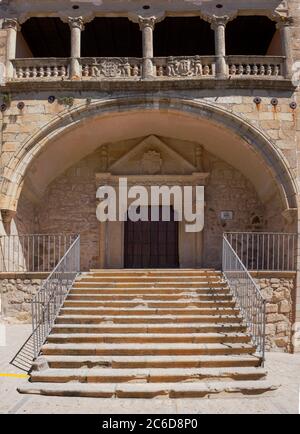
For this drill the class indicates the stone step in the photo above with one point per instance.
(148, 279)
(146, 349)
(101, 283)
(140, 362)
(171, 390)
(147, 312)
(109, 375)
(133, 328)
(144, 338)
(150, 291)
(153, 273)
(158, 319)
(182, 296)
(149, 304)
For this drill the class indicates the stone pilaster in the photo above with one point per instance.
(218, 24)
(76, 26)
(147, 28)
(12, 27)
(284, 26)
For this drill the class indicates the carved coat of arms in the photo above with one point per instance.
(151, 162)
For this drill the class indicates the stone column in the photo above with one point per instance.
(284, 26)
(76, 26)
(219, 26)
(147, 27)
(12, 27)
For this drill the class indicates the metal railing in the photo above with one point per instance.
(49, 299)
(265, 251)
(33, 252)
(247, 294)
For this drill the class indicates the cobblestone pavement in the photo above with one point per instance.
(283, 369)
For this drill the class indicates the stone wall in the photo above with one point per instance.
(69, 204)
(16, 291)
(279, 291)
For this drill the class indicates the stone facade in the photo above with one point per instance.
(279, 291)
(16, 292)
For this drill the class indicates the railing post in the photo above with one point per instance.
(219, 27)
(76, 26)
(12, 26)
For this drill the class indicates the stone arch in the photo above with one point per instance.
(255, 139)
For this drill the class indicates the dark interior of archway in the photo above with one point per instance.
(47, 37)
(174, 36)
(183, 36)
(50, 37)
(107, 37)
(249, 35)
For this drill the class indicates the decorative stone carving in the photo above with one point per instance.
(185, 67)
(11, 23)
(76, 22)
(147, 22)
(104, 158)
(151, 162)
(111, 68)
(199, 158)
(217, 21)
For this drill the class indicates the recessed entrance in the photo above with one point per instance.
(151, 244)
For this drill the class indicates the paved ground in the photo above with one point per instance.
(283, 369)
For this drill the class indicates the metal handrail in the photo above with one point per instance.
(52, 294)
(33, 252)
(265, 251)
(247, 294)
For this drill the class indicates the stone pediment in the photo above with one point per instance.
(152, 157)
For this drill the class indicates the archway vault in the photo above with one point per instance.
(84, 128)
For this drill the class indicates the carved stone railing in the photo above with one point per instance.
(164, 68)
(185, 66)
(256, 66)
(111, 68)
(47, 68)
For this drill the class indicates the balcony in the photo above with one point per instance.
(243, 69)
(179, 52)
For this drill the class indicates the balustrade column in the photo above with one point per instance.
(12, 27)
(219, 27)
(147, 27)
(284, 27)
(76, 26)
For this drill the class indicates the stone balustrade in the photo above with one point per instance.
(41, 69)
(177, 67)
(255, 66)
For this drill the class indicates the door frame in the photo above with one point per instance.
(112, 234)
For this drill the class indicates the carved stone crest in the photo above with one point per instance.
(151, 162)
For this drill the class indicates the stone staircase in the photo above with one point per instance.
(148, 333)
